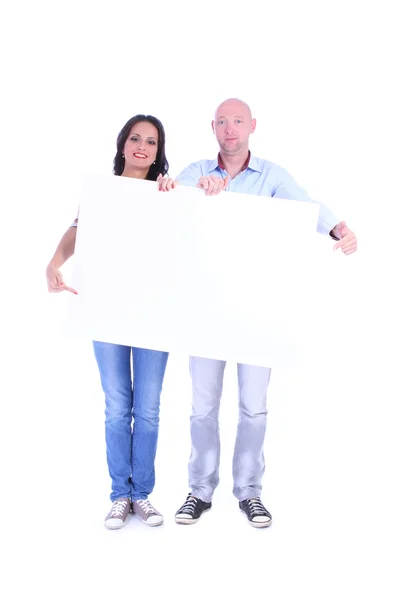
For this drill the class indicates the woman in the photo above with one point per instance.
(131, 449)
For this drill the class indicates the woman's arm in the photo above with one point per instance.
(64, 251)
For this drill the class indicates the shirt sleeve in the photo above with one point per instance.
(190, 176)
(287, 188)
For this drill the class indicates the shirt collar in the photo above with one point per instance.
(251, 163)
(222, 166)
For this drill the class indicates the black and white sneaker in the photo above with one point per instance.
(191, 510)
(256, 512)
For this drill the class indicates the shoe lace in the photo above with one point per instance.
(146, 506)
(118, 508)
(189, 505)
(256, 506)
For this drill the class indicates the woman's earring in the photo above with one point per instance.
(123, 156)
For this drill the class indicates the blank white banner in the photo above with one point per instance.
(224, 277)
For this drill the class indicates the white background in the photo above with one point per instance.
(321, 80)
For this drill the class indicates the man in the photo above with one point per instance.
(236, 170)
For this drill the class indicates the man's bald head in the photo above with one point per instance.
(233, 123)
(235, 105)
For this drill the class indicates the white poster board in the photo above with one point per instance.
(224, 277)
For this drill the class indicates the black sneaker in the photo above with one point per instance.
(256, 512)
(191, 510)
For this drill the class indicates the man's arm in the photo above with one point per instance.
(328, 224)
(287, 188)
(190, 176)
(194, 176)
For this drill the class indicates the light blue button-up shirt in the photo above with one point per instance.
(262, 178)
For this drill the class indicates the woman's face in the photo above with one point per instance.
(140, 148)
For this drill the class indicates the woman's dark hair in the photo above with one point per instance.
(161, 164)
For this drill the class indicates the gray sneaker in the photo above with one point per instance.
(117, 516)
(147, 512)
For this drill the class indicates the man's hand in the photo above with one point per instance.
(166, 183)
(55, 282)
(347, 239)
(213, 185)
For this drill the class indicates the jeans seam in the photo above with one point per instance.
(133, 444)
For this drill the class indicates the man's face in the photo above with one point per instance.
(233, 125)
